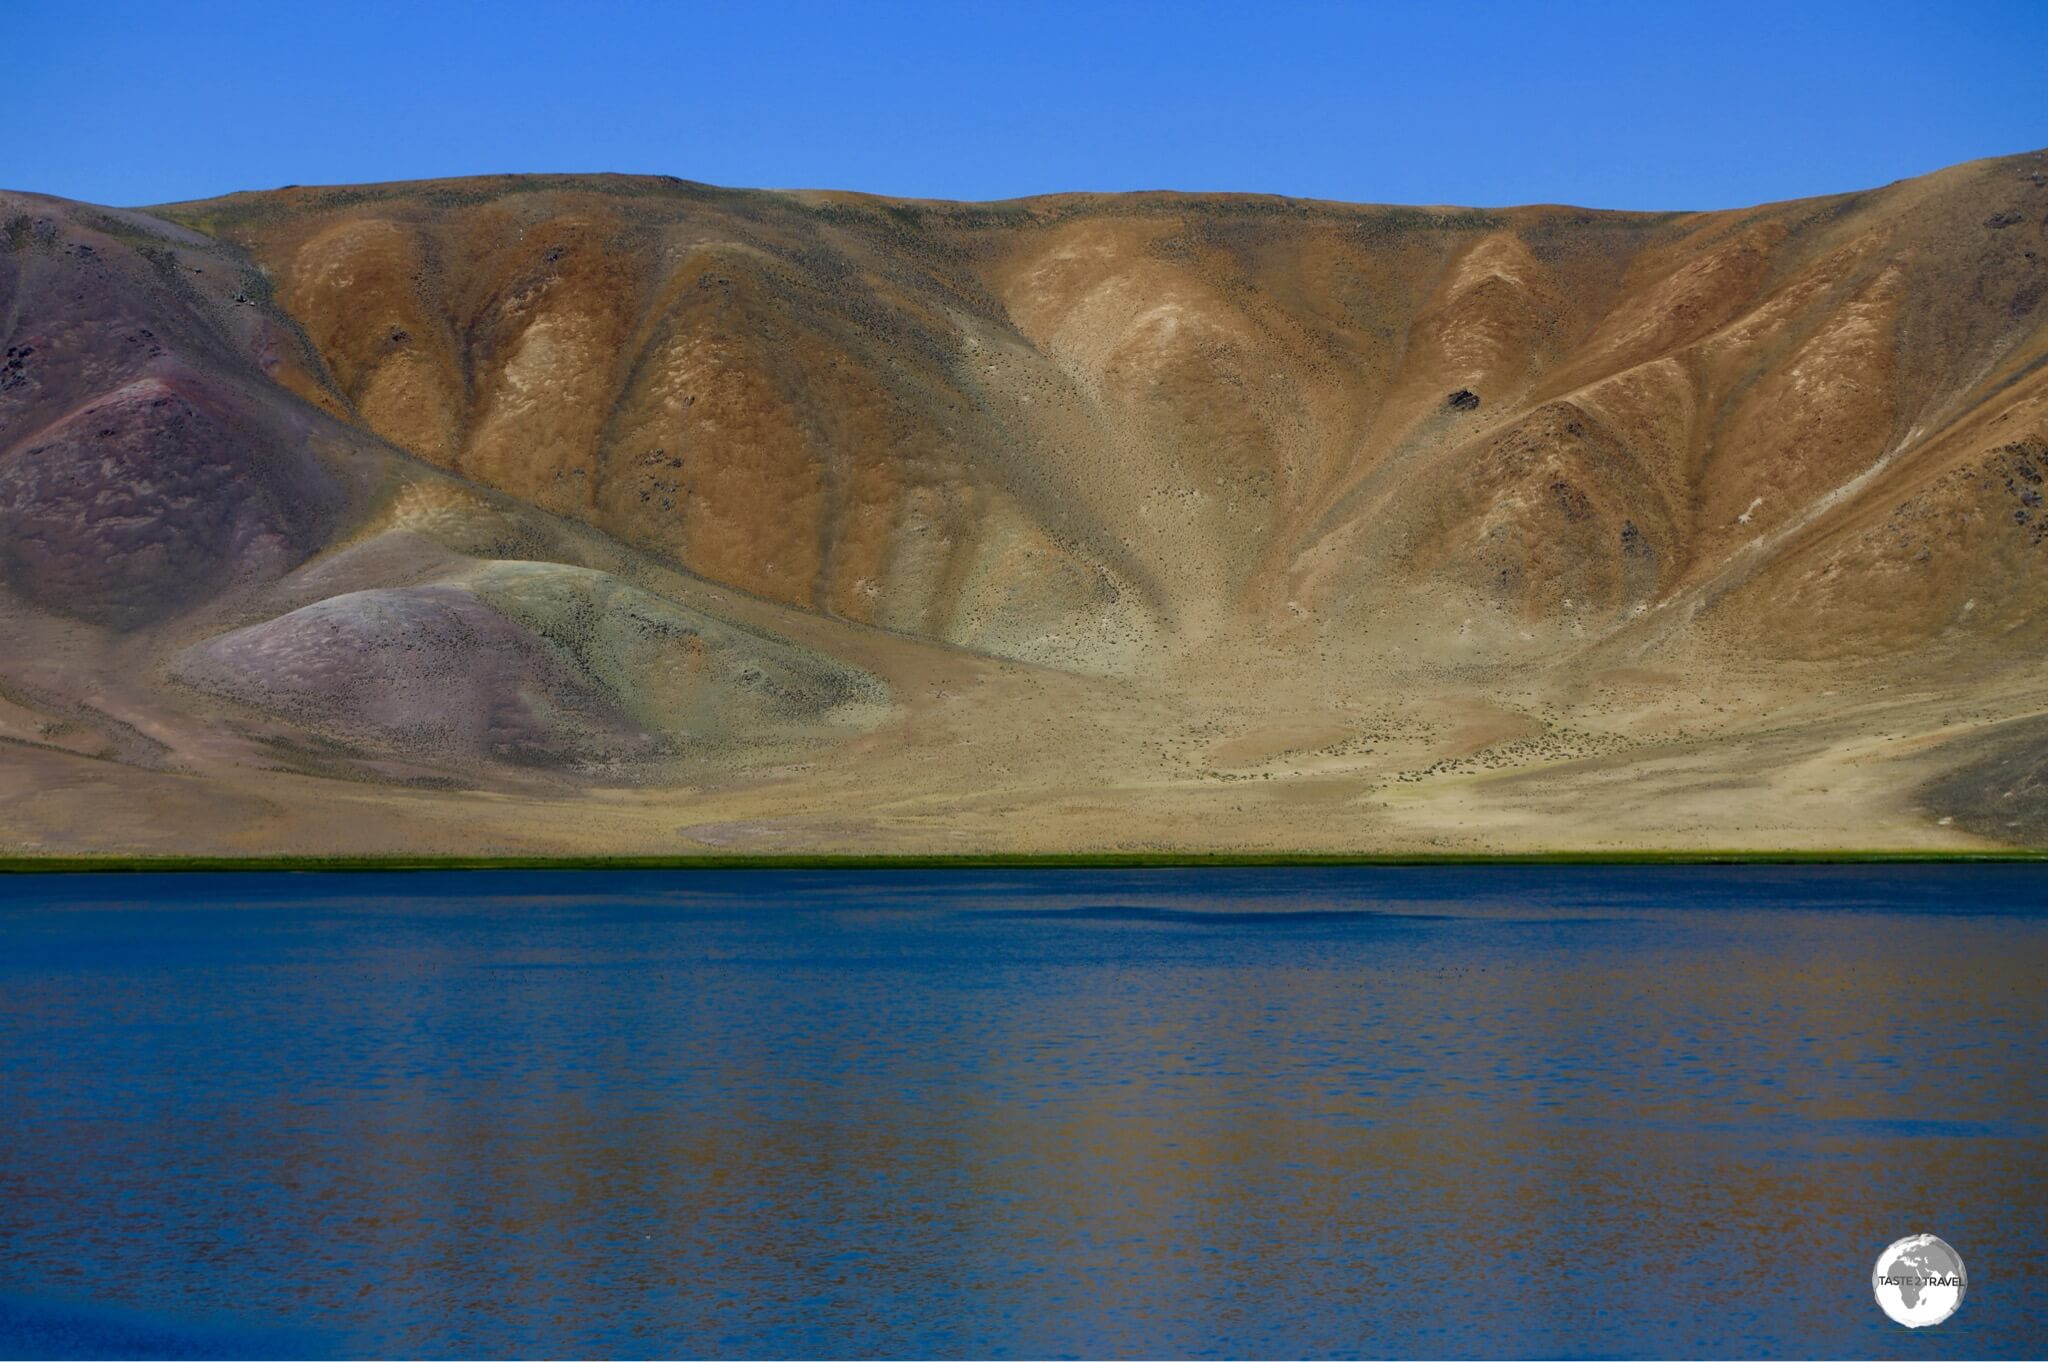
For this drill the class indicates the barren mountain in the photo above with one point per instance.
(611, 513)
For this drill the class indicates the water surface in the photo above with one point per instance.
(1498, 1111)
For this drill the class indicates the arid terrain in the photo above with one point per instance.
(624, 514)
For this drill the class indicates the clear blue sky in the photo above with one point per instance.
(1641, 105)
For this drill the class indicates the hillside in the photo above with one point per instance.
(630, 514)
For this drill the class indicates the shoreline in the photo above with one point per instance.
(1133, 860)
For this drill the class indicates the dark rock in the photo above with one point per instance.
(1464, 399)
(1575, 505)
(2005, 219)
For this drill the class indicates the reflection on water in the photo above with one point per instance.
(1434, 1111)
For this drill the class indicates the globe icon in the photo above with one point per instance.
(1919, 1281)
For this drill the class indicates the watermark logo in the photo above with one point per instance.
(1919, 1281)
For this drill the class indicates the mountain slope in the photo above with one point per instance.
(1443, 525)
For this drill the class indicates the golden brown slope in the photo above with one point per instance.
(1080, 429)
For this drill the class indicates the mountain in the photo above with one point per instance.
(629, 514)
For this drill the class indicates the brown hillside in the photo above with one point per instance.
(586, 512)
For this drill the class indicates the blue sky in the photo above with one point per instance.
(1611, 105)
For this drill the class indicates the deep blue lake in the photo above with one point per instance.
(1436, 1111)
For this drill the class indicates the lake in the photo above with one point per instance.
(1434, 1111)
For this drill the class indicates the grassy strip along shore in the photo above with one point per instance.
(1085, 860)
